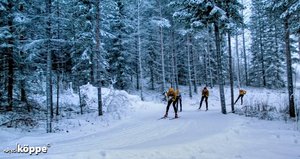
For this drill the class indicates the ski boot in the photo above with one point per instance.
(176, 115)
(166, 115)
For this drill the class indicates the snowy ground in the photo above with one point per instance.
(196, 134)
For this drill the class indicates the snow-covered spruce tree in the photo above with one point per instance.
(257, 27)
(202, 13)
(267, 43)
(116, 57)
(7, 47)
(150, 44)
(287, 10)
(235, 21)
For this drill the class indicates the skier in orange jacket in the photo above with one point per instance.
(205, 94)
(241, 95)
(171, 94)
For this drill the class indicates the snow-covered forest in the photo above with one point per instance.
(93, 73)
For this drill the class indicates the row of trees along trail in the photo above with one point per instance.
(50, 46)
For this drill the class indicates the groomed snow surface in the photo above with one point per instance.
(137, 132)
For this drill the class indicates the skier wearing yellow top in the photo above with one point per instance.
(241, 95)
(205, 94)
(172, 98)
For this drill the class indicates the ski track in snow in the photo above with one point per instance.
(195, 135)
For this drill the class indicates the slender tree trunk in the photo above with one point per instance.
(137, 72)
(220, 74)
(49, 68)
(209, 56)
(152, 76)
(80, 100)
(162, 52)
(22, 66)
(59, 65)
(173, 61)
(140, 53)
(57, 93)
(98, 42)
(238, 60)
(188, 43)
(194, 67)
(289, 68)
(92, 69)
(299, 46)
(10, 61)
(244, 52)
(230, 72)
(51, 90)
(262, 53)
(23, 83)
(205, 61)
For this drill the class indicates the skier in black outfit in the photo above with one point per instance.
(178, 100)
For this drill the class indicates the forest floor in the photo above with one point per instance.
(141, 135)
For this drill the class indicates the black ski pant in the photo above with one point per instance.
(240, 96)
(174, 106)
(179, 101)
(204, 97)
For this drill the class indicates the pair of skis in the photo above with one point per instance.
(168, 118)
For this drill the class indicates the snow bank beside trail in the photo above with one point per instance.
(112, 100)
(117, 105)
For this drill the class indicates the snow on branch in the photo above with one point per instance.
(217, 10)
(161, 22)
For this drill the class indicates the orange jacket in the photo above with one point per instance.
(172, 93)
(205, 92)
(242, 92)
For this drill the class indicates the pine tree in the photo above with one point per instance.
(118, 66)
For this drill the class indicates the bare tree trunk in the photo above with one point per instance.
(80, 100)
(10, 61)
(140, 53)
(289, 68)
(137, 71)
(188, 43)
(194, 66)
(49, 68)
(162, 52)
(173, 61)
(57, 93)
(51, 90)
(98, 42)
(244, 52)
(92, 59)
(206, 53)
(238, 60)
(22, 67)
(220, 74)
(209, 56)
(230, 72)
(299, 46)
(152, 76)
